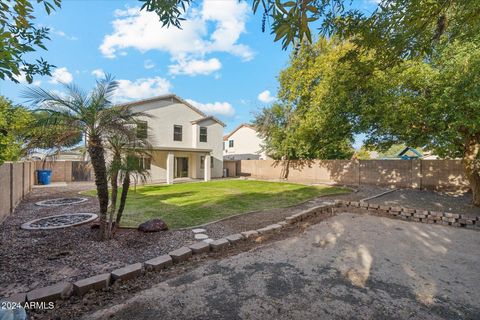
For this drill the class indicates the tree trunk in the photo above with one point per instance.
(123, 198)
(97, 156)
(471, 162)
(114, 183)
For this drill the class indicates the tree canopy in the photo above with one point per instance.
(20, 36)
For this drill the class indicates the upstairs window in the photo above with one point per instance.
(203, 134)
(177, 132)
(230, 143)
(142, 129)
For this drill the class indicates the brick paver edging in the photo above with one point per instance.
(64, 290)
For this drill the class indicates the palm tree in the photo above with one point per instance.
(94, 115)
(125, 149)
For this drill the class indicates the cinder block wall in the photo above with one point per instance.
(61, 170)
(419, 174)
(16, 180)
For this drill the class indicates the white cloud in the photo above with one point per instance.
(141, 88)
(98, 73)
(195, 67)
(64, 35)
(61, 75)
(215, 26)
(148, 64)
(266, 97)
(217, 108)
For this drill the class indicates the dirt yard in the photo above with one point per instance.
(32, 259)
(346, 267)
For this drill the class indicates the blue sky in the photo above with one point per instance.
(220, 61)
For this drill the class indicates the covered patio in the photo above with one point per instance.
(177, 164)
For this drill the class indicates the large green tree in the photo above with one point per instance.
(15, 122)
(432, 103)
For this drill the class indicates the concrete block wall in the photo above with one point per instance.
(16, 180)
(417, 174)
(61, 170)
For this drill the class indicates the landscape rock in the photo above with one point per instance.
(154, 225)
(250, 234)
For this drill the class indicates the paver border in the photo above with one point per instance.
(44, 204)
(27, 225)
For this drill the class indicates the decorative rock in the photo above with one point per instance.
(154, 225)
(219, 244)
(93, 283)
(50, 294)
(200, 236)
(250, 234)
(199, 230)
(200, 247)
(180, 254)
(275, 227)
(208, 240)
(234, 238)
(159, 263)
(128, 272)
(282, 223)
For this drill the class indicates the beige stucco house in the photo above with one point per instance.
(243, 143)
(186, 143)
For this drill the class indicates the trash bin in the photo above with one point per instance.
(44, 176)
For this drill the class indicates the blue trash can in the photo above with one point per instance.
(44, 176)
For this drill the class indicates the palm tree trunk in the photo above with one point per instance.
(123, 198)
(97, 156)
(113, 201)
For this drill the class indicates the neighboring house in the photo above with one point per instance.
(243, 143)
(186, 143)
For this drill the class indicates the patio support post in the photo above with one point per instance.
(170, 165)
(208, 170)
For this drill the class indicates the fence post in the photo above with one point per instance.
(11, 187)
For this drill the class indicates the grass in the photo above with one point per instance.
(191, 204)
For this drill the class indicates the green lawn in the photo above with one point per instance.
(190, 204)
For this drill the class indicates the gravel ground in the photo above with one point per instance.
(346, 267)
(456, 202)
(32, 259)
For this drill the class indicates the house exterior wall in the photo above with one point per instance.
(163, 116)
(247, 145)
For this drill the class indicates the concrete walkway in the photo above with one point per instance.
(347, 267)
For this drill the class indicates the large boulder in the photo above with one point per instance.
(153, 225)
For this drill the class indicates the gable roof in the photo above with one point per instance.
(238, 128)
(174, 98)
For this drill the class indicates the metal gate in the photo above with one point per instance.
(81, 171)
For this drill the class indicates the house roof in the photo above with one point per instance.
(404, 152)
(225, 138)
(208, 118)
(173, 97)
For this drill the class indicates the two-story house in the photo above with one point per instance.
(243, 143)
(186, 143)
